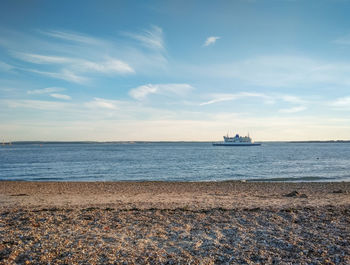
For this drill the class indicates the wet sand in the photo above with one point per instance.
(171, 222)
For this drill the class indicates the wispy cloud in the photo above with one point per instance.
(292, 99)
(343, 102)
(345, 40)
(267, 99)
(36, 104)
(229, 97)
(95, 109)
(60, 96)
(211, 40)
(293, 109)
(277, 71)
(42, 59)
(150, 38)
(71, 36)
(64, 75)
(102, 103)
(141, 92)
(78, 62)
(104, 119)
(45, 90)
(86, 56)
(77, 65)
(5, 67)
(107, 66)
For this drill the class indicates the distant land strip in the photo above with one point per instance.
(148, 142)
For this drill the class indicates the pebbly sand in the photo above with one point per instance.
(174, 223)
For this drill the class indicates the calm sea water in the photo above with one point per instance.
(175, 162)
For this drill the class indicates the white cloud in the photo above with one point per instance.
(77, 65)
(267, 99)
(341, 102)
(293, 109)
(219, 98)
(108, 66)
(73, 66)
(228, 97)
(151, 38)
(71, 36)
(36, 104)
(142, 92)
(45, 90)
(64, 75)
(103, 103)
(42, 59)
(211, 40)
(292, 99)
(60, 96)
(86, 56)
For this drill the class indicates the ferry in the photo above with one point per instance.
(236, 141)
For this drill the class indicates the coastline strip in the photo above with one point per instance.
(172, 195)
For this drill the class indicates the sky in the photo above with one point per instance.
(174, 70)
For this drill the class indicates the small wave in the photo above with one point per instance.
(289, 179)
(46, 179)
(31, 179)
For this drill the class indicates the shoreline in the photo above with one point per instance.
(170, 195)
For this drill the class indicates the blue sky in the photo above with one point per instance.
(174, 70)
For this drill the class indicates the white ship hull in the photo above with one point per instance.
(235, 144)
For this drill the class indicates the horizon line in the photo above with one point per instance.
(165, 141)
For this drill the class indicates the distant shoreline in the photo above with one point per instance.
(145, 142)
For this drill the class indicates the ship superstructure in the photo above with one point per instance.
(237, 140)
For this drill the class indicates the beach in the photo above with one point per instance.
(231, 222)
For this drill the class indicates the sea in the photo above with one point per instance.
(175, 161)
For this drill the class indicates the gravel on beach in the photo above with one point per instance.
(129, 232)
